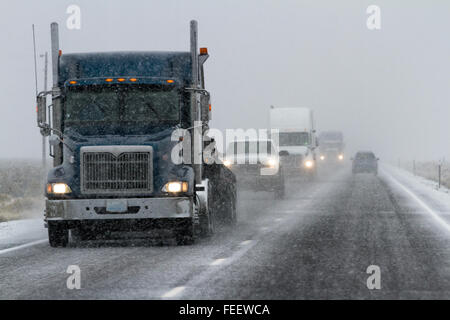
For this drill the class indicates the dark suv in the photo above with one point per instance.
(365, 161)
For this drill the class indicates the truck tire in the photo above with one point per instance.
(185, 234)
(207, 223)
(229, 217)
(279, 193)
(280, 190)
(58, 235)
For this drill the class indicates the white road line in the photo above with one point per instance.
(26, 245)
(278, 219)
(245, 242)
(441, 221)
(174, 292)
(218, 261)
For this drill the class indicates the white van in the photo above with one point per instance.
(296, 139)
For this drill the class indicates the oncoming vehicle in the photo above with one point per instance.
(256, 165)
(113, 117)
(365, 161)
(331, 147)
(296, 139)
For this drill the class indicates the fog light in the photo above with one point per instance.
(322, 158)
(341, 157)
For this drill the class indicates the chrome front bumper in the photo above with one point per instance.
(138, 208)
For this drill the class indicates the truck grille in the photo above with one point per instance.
(116, 169)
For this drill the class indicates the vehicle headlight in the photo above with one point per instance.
(341, 157)
(322, 158)
(309, 164)
(58, 188)
(175, 187)
(227, 163)
(271, 163)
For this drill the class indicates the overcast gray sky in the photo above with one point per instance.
(388, 89)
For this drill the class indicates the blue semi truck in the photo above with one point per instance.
(128, 134)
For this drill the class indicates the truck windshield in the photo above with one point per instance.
(293, 138)
(122, 106)
(263, 147)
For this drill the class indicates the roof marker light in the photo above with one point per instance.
(203, 51)
(72, 82)
(121, 79)
(170, 81)
(109, 80)
(133, 79)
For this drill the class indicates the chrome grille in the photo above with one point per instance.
(116, 169)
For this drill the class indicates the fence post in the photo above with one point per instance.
(439, 173)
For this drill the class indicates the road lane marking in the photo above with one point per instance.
(246, 242)
(217, 262)
(26, 245)
(278, 219)
(430, 211)
(174, 292)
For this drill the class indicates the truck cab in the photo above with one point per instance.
(114, 129)
(296, 139)
(331, 147)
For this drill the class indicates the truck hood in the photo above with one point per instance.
(251, 158)
(164, 169)
(295, 150)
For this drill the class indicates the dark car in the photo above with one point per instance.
(365, 161)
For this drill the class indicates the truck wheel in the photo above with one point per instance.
(185, 234)
(207, 223)
(279, 191)
(230, 216)
(58, 235)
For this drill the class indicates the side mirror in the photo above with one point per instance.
(283, 153)
(378, 159)
(205, 103)
(41, 110)
(54, 140)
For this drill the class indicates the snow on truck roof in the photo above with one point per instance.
(122, 64)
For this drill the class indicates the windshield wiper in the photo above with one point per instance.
(148, 104)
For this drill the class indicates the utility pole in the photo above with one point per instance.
(44, 152)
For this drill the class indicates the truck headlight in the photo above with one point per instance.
(309, 164)
(227, 163)
(58, 188)
(341, 157)
(322, 158)
(175, 187)
(271, 163)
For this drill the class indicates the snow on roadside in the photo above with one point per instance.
(421, 185)
(21, 231)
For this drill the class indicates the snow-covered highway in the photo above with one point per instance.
(317, 243)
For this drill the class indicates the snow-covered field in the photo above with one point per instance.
(21, 189)
(426, 188)
(429, 170)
